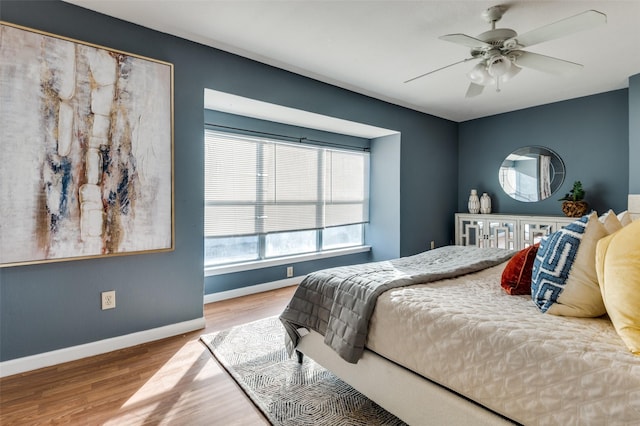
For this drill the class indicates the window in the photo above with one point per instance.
(266, 198)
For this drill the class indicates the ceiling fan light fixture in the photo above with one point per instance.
(480, 75)
(513, 71)
(498, 66)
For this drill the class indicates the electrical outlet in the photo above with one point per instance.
(108, 299)
(289, 271)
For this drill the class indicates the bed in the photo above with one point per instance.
(458, 349)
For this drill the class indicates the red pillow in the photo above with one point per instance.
(516, 277)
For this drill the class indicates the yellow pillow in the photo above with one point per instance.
(618, 269)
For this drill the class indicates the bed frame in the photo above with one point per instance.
(409, 396)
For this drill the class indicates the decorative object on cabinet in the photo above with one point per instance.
(531, 173)
(474, 202)
(573, 204)
(514, 232)
(485, 203)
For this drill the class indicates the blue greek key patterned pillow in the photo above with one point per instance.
(554, 261)
(563, 279)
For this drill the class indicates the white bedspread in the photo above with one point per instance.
(499, 350)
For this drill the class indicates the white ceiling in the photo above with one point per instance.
(372, 47)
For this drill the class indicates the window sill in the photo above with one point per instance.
(287, 260)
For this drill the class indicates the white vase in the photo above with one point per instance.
(474, 202)
(485, 203)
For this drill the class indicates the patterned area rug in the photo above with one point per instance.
(286, 392)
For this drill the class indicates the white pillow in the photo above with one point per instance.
(624, 218)
(611, 222)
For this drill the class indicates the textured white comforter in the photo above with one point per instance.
(338, 302)
(499, 350)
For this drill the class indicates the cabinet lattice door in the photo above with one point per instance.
(513, 232)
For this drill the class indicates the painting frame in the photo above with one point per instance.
(87, 150)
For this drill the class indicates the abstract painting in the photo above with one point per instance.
(86, 150)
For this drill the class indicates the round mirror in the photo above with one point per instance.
(531, 173)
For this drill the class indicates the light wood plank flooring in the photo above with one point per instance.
(171, 381)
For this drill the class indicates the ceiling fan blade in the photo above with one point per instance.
(439, 69)
(465, 40)
(546, 63)
(564, 27)
(474, 90)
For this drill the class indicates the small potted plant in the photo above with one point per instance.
(573, 204)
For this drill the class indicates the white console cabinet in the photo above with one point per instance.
(505, 230)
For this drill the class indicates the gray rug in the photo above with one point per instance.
(286, 392)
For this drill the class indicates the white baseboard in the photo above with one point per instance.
(59, 356)
(47, 359)
(245, 291)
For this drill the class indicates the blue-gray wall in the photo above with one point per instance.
(432, 164)
(52, 306)
(233, 123)
(591, 135)
(634, 134)
(384, 229)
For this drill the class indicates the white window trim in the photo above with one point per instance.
(285, 260)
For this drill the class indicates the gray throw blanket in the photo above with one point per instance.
(339, 302)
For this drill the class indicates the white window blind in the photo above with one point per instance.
(256, 186)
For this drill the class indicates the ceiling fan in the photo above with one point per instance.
(499, 49)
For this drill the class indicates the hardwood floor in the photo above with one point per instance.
(171, 381)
